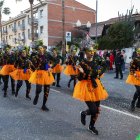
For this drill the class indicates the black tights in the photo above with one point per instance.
(6, 79)
(93, 110)
(46, 92)
(57, 78)
(19, 84)
(72, 78)
(136, 96)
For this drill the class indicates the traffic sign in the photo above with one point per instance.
(68, 36)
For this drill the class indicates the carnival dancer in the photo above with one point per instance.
(8, 67)
(23, 72)
(42, 76)
(134, 79)
(71, 69)
(89, 88)
(56, 66)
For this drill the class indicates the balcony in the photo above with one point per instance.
(36, 36)
(35, 21)
(14, 29)
(22, 27)
(5, 31)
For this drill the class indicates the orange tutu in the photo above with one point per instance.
(19, 74)
(41, 77)
(57, 69)
(84, 91)
(7, 69)
(131, 79)
(100, 92)
(69, 70)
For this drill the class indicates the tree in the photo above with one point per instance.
(3, 10)
(120, 35)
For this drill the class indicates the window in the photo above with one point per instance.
(41, 13)
(29, 33)
(18, 23)
(19, 35)
(41, 29)
(28, 18)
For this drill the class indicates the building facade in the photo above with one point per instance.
(48, 22)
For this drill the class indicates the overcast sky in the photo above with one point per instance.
(106, 8)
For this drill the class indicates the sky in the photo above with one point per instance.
(106, 8)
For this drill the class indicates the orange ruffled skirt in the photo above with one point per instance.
(19, 74)
(41, 77)
(7, 69)
(69, 70)
(57, 69)
(84, 91)
(132, 80)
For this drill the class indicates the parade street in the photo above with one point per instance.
(21, 120)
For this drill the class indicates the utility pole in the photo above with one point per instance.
(96, 18)
(63, 27)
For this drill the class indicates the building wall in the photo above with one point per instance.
(51, 21)
(73, 11)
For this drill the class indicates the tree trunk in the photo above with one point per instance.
(32, 22)
(0, 26)
(32, 19)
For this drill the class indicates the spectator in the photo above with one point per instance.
(134, 54)
(108, 63)
(81, 54)
(111, 58)
(118, 64)
(124, 58)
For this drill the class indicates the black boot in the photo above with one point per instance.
(83, 117)
(132, 107)
(35, 100)
(28, 97)
(53, 84)
(13, 92)
(44, 108)
(138, 103)
(27, 94)
(5, 94)
(17, 90)
(58, 85)
(93, 130)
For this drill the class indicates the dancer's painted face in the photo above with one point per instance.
(24, 53)
(41, 49)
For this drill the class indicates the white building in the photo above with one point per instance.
(17, 30)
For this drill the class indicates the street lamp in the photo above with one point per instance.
(78, 23)
(88, 24)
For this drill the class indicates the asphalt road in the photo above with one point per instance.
(21, 120)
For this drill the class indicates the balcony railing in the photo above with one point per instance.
(22, 27)
(36, 36)
(35, 20)
(14, 29)
(5, 31)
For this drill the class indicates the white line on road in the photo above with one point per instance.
(112, 109)
(121, 112)
(55, 90)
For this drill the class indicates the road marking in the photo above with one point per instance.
(55, 90)
(115, 110)
(121, 112)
